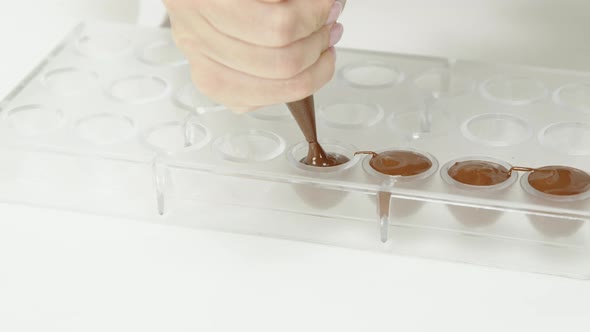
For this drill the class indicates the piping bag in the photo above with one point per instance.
(304, 113)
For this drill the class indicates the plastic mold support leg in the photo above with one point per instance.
(161, 181)
(383, 204)
(383, 207)
(187, 130)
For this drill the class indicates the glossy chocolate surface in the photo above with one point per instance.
(330, 160)
(560, 180)
(304, 113)
(479, 173)
(400, 163)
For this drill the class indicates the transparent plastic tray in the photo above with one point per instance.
(109, 123)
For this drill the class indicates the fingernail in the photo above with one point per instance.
(335, 12)
(336, 34)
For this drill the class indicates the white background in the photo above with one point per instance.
(62, 271)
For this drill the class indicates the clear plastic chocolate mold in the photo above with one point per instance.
(162, 53)
(176, 137)
(105, 45)
(35, 120)
(69, 81)
(351, 115)
(315, 196)
(574, 97)
(477, 175)
(371, 75)
(148, 162)
(496, 129)
(105, 128)
(139, 89)
(564, 185)
(392, 168)
(514, 90)
(571, 138)
(249, 146)
(556, 228)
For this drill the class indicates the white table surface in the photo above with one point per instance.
(63, 271)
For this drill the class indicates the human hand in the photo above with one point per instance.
(246, 54)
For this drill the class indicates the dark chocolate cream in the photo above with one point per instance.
(324, 159)
(304, 113)
(479, 173)
(559, 180)
(400, 163)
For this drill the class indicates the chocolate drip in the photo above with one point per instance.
(331, 159)
(304, 113)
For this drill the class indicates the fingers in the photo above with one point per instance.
(241, 91)
(270, 24)
(268, 62)
(250, 53)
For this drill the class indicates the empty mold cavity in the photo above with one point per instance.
(572, 138)
(351, 116)
(496, 129)
(513, 90)
(574, 96)
(249, 146)
(139, 89)
(34, 120)
(162, 53)
(176, 137)
(372, 75)
(69, 80)
(103, 45)
(105, 128)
